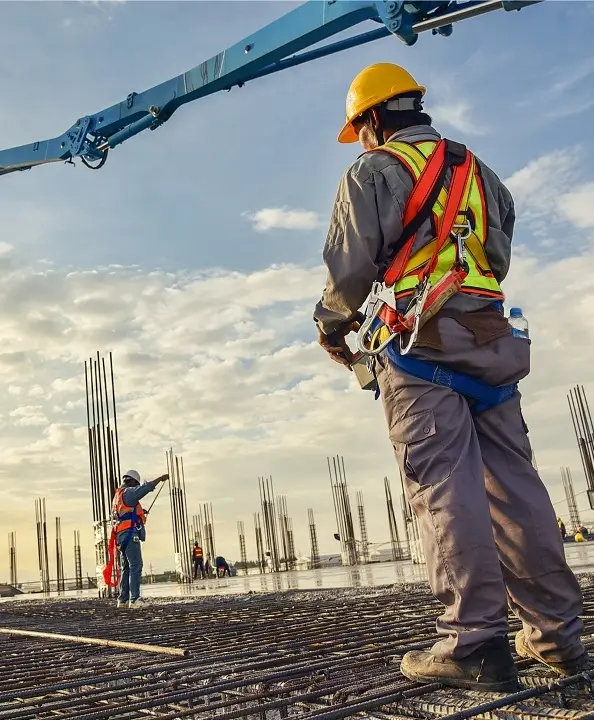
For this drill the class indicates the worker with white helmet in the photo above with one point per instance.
(129, 521)
(424, 227)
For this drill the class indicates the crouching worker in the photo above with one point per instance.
(129, 532)
(222, 567)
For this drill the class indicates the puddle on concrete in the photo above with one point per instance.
(579, 556)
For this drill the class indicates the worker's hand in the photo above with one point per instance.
(335, 343)
(161, 478)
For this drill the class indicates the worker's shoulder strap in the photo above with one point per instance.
(446, 154)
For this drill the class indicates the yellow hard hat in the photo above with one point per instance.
(373, 85)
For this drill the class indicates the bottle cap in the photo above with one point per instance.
(515, 312)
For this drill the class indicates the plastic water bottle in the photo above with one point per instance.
(518, 323)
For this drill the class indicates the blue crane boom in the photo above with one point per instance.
(267, 51)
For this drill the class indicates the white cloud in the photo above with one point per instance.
(457, 114)
(578, 206)
(571, 76)
(552, 200)
(283, 219)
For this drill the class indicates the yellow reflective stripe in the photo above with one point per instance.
(417, 161)
(475, 249)
(410, 154)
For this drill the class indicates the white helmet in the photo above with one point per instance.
(133, 475)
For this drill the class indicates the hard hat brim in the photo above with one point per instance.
(348, 134)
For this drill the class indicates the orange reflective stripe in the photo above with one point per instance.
(418, 197)
(459, 185)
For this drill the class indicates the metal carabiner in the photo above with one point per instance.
(414, 333)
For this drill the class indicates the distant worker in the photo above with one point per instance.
(453, 411)
(579, 536)
(562, 528)
(222, 566)
(129, 520)
(198, 559)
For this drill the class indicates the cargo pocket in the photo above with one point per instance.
(419, 449)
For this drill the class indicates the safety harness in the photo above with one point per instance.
(124, 518)
(434, 285)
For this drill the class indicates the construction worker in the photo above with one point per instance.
(454, 416)
(198, 560)
(129, 530)
(222, 567)
(562, 528)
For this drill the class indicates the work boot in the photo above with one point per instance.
(563, 669)
(139, 603)
(490, 668)
(122, 604)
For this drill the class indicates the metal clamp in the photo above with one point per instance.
(466, 226)
(365, 329)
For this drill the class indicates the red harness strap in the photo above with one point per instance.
(417, 199)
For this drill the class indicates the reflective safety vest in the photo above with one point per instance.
(480, 279)
(125, 516)
(197, 553)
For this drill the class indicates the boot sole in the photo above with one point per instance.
(502, 686)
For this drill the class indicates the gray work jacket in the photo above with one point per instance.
(366, 222)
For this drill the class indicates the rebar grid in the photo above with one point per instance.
(317, 655)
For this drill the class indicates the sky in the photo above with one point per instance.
(194, 256)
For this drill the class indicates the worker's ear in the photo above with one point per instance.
(375, 118)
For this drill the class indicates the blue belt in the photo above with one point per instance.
(485, 396)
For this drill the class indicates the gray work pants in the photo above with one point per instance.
(488, 528)
(131, 563)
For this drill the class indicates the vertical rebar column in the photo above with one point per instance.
(398, 551)
(584, 433)
(342, 510)
(291, 544)
(270, 523)
(12, 559)
(259, 543)
(314, 560)
(179, 518)
(209, 531)
(242, 548)
(417, 554)
(40, 517)
(286, 532)
(78, 575)
(104, 457)
(197, 532)
(60, 580)
(363, 527)
(570, 497)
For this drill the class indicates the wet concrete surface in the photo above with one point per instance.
(579, 556)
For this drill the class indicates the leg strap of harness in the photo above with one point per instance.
(485, 396)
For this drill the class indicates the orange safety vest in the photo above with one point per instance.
(197, 553)
(126, 516)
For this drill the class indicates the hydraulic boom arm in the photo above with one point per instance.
(268, 50)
